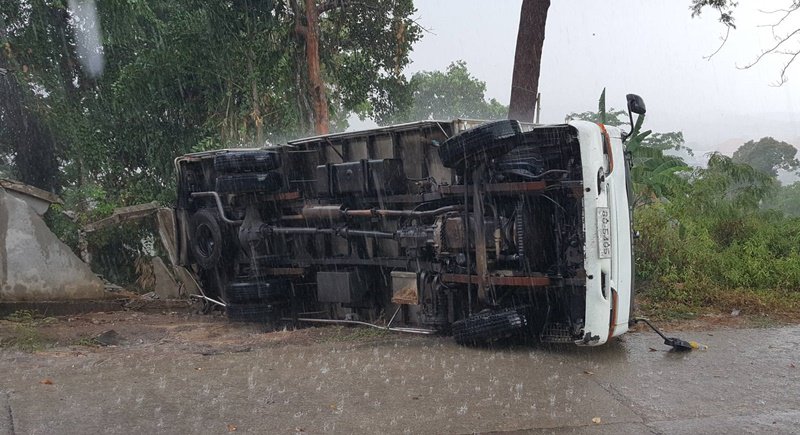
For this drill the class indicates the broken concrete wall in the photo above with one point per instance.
(34, 264)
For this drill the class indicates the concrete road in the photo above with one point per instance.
(746, 382)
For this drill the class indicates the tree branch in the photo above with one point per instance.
(724, 40)
(772, 49)
(330, 5)
(787, 12)
(786, 66)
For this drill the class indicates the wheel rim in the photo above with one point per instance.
(205, 241)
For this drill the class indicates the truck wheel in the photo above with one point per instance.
(257, 313)
(263, 290)
(246, 161)
(491, 326)
(249, 183)
(205, 239)
(479, 144)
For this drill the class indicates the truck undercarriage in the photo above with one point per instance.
(478, 232)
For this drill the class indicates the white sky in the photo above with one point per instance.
(649, 47)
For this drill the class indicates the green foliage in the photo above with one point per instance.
(453, 93)
(182, 73)
(757, 250)
(86, 341)
(26, 335)
(655, 175)
(767, 155)
(786, 200)
(723, 7)
(728, 188)
(707, 243)
(712, 246)
(366, 47)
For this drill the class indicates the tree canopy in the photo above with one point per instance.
(182, 75)
(767, 155)
(453, 93)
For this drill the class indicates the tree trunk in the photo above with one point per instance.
(527, 60)
(256, 112)
(319, 101)
(33, 144)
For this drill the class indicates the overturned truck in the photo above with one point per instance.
(485, 231)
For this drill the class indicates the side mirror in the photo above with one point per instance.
(636, 104)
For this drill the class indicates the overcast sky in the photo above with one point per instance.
(649, 47)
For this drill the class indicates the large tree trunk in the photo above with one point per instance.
(319, 101)
(34, 145)
(527, 60)
(255, 114)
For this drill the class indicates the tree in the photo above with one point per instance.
(767, 155)
(187, 75)
(365, 45)
(453, 93)
(786, 199)
(528, 60)
(24, 136)
(787, 41)
(727, 187)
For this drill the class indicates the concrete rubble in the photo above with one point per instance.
(34, 264)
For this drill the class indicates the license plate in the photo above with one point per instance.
(604, 232)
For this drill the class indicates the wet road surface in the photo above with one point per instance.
(747, 381)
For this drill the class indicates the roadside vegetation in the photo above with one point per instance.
(716, 239)
(23, 331)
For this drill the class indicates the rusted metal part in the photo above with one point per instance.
(218, 201)
(453, 236)
(614, 302)
(577, 190)
(412, 198)
(337, 212)
(607, 148)
(498, 188)
(511, 281)
(406, 296)
(282, 196)
(481, 260)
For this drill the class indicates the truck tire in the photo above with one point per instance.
(256, 313)
(491, 326)
(206, 240)
(255, 291)
(249, 183)
(479, 144)
(235, 162)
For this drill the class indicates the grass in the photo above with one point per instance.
(685, 302)
(86, 341)
(26, 336)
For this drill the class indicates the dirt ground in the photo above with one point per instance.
(180, 372)
(174, 331)
(185, 329)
